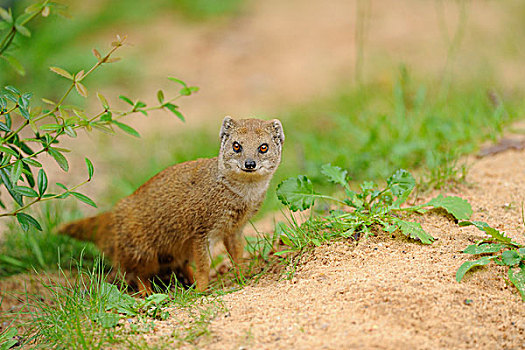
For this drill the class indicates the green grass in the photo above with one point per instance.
(80, 309)
(44, 250)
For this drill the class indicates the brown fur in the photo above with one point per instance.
(173, 218)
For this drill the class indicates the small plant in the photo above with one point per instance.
(499, 249)
(365, 211)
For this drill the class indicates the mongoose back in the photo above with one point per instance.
(173, 218)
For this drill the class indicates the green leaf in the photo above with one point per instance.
(483, 248)
(26, 220)
(107, 319)
(401, 183)
(517, 277)
(511, 257)
(32, 162)
(459, 207)
(467, 265)
(7, 338)
(174, 109)
(61, 185)
(126, 99)
(139, 104)
(42, 182)
(296, 192)
(178, 81)
(185, 91)
(26, 191)
(50, 127)
(160, 96)
(15, 64)
(414, 231)
(70, 131)
(483, 226)
(7, 182)
(126, 128)
(84, 198)
(59, 158)
(103, 100)
(335, 174)
(156, 298)
(23, 30)
(8, 151)
(90, 168)
(81, 89)
(6, 16)
(14, 90)
(4, 127)
(16, 171)
(61, 72)
(13, 262)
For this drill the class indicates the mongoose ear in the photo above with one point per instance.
(277, 130)
(227, 124)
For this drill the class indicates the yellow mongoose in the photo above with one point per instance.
(174, 217)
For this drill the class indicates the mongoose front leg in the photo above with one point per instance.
(202, 263)
(144, 286)
(234, 246)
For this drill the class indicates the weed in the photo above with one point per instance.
(499, 249)
(365, 211)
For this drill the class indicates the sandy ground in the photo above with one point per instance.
(390, 293)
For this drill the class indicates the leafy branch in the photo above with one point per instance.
(48, 125)
(360, 211)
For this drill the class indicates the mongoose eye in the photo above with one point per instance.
(263, 148)
(237, 147)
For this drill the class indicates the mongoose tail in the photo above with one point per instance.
(92, 229)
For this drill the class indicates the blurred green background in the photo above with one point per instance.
(369, 86)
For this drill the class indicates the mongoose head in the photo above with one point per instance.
(250, 148)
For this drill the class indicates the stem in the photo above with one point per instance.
(15, 132)
(8, 39)
(72, 86)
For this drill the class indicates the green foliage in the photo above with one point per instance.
(7, 340)
(50, 124)
(499, 249)
(362, 211)
(376, 129)
(44, 250)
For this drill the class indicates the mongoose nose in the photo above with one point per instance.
(250, 164)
